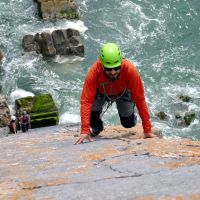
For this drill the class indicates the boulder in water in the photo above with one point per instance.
(184, 98)
(161, 115)
(60, 42)
(189, 117)
(184, 119)
(29, 43)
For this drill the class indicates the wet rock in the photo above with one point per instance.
(1, 56)
(184, 119)
(4, 112)
(178, 115)
(185, 98)
(161, 115)
(52, 9)
(42, 110)
(47, 45)
(60, 42)
(189, 117)
(29, 44)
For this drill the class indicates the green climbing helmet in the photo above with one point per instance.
(110, 55)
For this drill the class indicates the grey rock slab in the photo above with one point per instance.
(44, 164)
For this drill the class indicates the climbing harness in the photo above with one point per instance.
(110, 99)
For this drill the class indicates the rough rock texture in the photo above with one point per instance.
(184, 119)
(161, 115)
(42, 110)
(29, 44)
(185, 98)
(44, 164)
(4, 112)
(52, 9)
(59, 42)
(1, 55)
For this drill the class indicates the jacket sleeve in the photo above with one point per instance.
(87, 98)
(137, 90)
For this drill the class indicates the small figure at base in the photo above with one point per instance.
(25, 122)
(12, 125)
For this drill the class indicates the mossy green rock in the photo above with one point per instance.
(42, 110)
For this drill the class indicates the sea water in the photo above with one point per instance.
(161, 37)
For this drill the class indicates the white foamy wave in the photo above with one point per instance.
(19, 93)
(78, 25)
(69, 118)
(174, 90)
(28, 29)
(68, 59)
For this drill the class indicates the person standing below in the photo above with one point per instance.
(25, 122)
(12, 125)
(112, 79)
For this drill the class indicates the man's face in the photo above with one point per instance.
(112, 73)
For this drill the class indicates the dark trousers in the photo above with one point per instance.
(25, 127)
(125, 107)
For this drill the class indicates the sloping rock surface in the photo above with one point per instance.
(45, 164)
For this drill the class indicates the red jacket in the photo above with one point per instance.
(129, 78)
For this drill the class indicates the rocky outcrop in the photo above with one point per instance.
(4, 112)
(52, 9)
(184, 119)
(184, 98)
(60, 42)
(161, 115)
(181, 116)
(42, 110)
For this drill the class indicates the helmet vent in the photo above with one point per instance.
(116, 61)
(107, 62)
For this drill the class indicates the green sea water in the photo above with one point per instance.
(162, 38)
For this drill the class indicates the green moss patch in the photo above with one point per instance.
(69, 14)
(44, 115)
(50, 121)
(43, 103)
(41, 108)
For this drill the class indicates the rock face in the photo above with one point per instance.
(42, 110)
(59, 42)
(118, 165)
(51, 9)
(4, 112)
